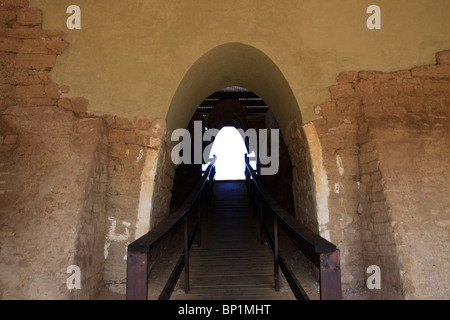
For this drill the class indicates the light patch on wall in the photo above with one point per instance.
(126, 252)
(146, 193)
(336, 188)
(113, 236)
(320, 179)
(141, 154)
(340, 165)
(105, 249)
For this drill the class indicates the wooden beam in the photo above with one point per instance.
(137, 276)
(330, 276)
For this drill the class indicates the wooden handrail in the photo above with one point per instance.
(142, 249)
(322, 253)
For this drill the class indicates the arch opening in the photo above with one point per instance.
(229, 148)
(237, 65)
(233, 64)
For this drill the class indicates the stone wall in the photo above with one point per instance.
(302, 173)
(53, 168)
(384, 140)
(53, 210)
(92, 184)
(407, 114)
(140, 180)
(7, 144)
(379, 246)
(89, 247)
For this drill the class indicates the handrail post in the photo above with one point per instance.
(207, 194)
(276, 253)
(137, 275)
(254, 197)
(186, 254)
(199, 220)
(261, 219)
(330, 276)
(318, 250)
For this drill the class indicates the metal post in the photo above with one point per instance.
(206, 204)
(186, 254)
(199, 219)
(261, 220)
(276, 253)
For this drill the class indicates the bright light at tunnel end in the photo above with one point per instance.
(229, 150)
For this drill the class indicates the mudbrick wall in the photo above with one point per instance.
(303, 180)
(53, 168)
(383, 161)
(140, 180)
(89, 184)
(54, 206)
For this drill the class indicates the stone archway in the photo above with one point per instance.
(233, 64)
(237, 64)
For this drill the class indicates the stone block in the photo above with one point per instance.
(348, 105)
(347, 77)
(52, 90)
(10, 45)
(377, 186)
(118, 150)
(435, 72)
(6, 76)
(4, 147)
(7, 95)
(65, 103)
(25, 33)
(367, 157)
(7, 15)
(30, 77)
(412, 86)
(383, 228)
(25, 93)
(443, 57)
(10, 139)
(79, 104)
(380, 217)
(29, 17)
(117, 135)
(57, 46)
(34, 46)
(150, 127)
(64, 89)
(14, 3)
(7, 59)
(366, 235)
(434, 87)
(340, 91)
(119, 123)
(35, 61)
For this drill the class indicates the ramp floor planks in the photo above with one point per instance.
(231, 263)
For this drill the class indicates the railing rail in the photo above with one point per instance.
(148, 247)
(322, 253)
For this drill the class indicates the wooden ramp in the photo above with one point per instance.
(231, 263)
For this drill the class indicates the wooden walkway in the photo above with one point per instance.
(231, 263)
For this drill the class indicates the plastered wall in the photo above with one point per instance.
(384, 140)
(136, 53)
